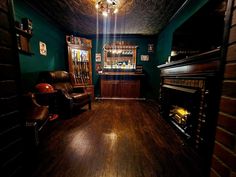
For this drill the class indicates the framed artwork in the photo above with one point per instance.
(42, 48)
(144, 57)
(98, 57)
(98, 68)
(150, 48)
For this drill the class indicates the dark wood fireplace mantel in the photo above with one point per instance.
(203, 64)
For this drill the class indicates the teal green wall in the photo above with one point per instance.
(142, 43)
(164, 41)
(46, 32)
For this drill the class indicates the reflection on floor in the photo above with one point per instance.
(114, 139)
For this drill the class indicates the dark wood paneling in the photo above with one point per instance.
(9, 104)
(4, 22)
(130, 89)
(6, 55)
(7, 72)
(12, 168)
(8, 88)
(109, 88)
(11, 134)
(9, 121)
(5, 38)
(10, 151)
(120, 88)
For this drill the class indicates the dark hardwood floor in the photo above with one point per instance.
(114, 139)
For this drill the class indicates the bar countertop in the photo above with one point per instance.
(121, 74)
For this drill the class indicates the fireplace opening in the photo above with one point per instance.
(180, 106)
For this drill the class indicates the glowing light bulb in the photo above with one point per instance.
(104, 13)
(115, 11)
(109, 1)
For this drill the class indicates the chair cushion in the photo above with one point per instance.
(65, 86)
(79, 96)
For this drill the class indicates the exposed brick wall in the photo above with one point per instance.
(11, 136)
(224, 155)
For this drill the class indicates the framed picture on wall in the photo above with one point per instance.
(42, 48)
(150, 48)
(144, 57)
(98, 68)
(98, 57)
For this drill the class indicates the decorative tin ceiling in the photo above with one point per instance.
(134, 17)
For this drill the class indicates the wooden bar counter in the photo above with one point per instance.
(120, 84)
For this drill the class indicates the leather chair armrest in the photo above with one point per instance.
(78, 89)
(64, 94)
(64, 99)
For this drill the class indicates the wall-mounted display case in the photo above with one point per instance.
(23, 35)
(119, 56)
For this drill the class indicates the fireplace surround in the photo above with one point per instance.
(181, 105)
(187, 98)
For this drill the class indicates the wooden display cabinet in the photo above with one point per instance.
(79, 59)
(80, 63)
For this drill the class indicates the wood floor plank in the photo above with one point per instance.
(114, 139)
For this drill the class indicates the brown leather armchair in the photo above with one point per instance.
(69, 98)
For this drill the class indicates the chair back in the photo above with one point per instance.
(60, 80)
